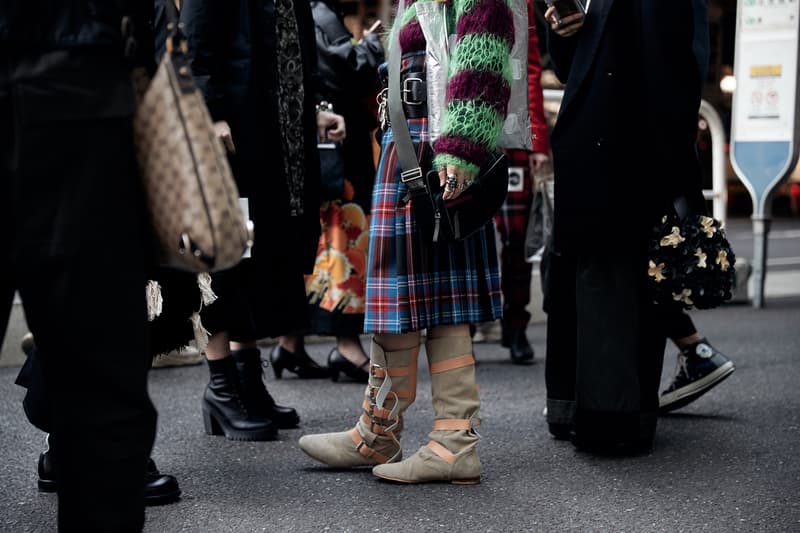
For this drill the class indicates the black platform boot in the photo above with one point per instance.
(159, 489)
(225, 411)
(257, 398)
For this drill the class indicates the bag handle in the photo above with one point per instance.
(681, 205)
(175, 38)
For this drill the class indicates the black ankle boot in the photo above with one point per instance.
(159, 489)
(224, 407)
(518, 346)
(257, 398)
(299, 362)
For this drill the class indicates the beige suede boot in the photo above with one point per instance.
(375, 438)
(451, 453)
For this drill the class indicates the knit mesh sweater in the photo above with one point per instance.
(479, 78)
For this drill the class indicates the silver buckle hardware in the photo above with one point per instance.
(411, 175)
(406, 90)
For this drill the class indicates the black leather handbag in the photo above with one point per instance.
(457, 219)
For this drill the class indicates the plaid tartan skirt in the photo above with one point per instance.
(413, 283)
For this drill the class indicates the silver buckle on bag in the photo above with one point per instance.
(406, 90)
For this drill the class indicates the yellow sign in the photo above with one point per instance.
(766, 71)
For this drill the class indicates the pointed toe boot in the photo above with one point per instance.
(451, 453)
(391, 389)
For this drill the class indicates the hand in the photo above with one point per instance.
(463, 179)
(536, 160)
(223, 133)
(564, 27)
(330, 127)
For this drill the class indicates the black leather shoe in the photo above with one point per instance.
(299, 363)
(225, 411)
(258, 400)
(517, 343)
(159, 489)
(339, 363)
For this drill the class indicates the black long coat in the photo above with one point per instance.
(233, 49)
(624, 142)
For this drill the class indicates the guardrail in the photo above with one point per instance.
(718, 194)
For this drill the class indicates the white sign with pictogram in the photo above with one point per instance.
(764, 132)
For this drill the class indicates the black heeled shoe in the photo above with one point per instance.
(339, 363)
(299, 363)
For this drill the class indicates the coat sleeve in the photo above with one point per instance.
(206, 24)
(352, 68)
(540, 138)
(479, 86)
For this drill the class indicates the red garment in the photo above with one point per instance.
(540, 136)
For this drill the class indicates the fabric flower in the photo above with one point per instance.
(673, 239)
(701, 258)
(683, 296)
(656, 271)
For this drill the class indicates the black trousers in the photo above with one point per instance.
(75, 247)
(605, 348)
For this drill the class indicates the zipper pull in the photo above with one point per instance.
(436, 223)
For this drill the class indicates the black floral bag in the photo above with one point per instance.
(690, 261)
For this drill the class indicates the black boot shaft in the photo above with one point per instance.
(256, 397)
(225, 409)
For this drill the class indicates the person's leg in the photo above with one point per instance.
(226, 410)
(258, 401)
(348, 358)
(512, 224)
(290, 354)
(392, 388)
(77, 205)
(619, 355)
(700, 366)
(451, 453)
(560, 304)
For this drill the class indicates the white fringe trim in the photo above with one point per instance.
(206, 292)
(200, 333)
(155, 302)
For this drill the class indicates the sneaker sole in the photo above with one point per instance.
(685, 395)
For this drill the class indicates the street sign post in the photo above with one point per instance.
(764, 134)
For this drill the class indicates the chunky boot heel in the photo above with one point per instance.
(225, 411)
(374, 440)
(278, 371)
(451, 454)
(211, 425)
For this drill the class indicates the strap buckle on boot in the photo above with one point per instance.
(364, 449)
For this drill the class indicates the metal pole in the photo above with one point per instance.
(761, 226)
(719, 192)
